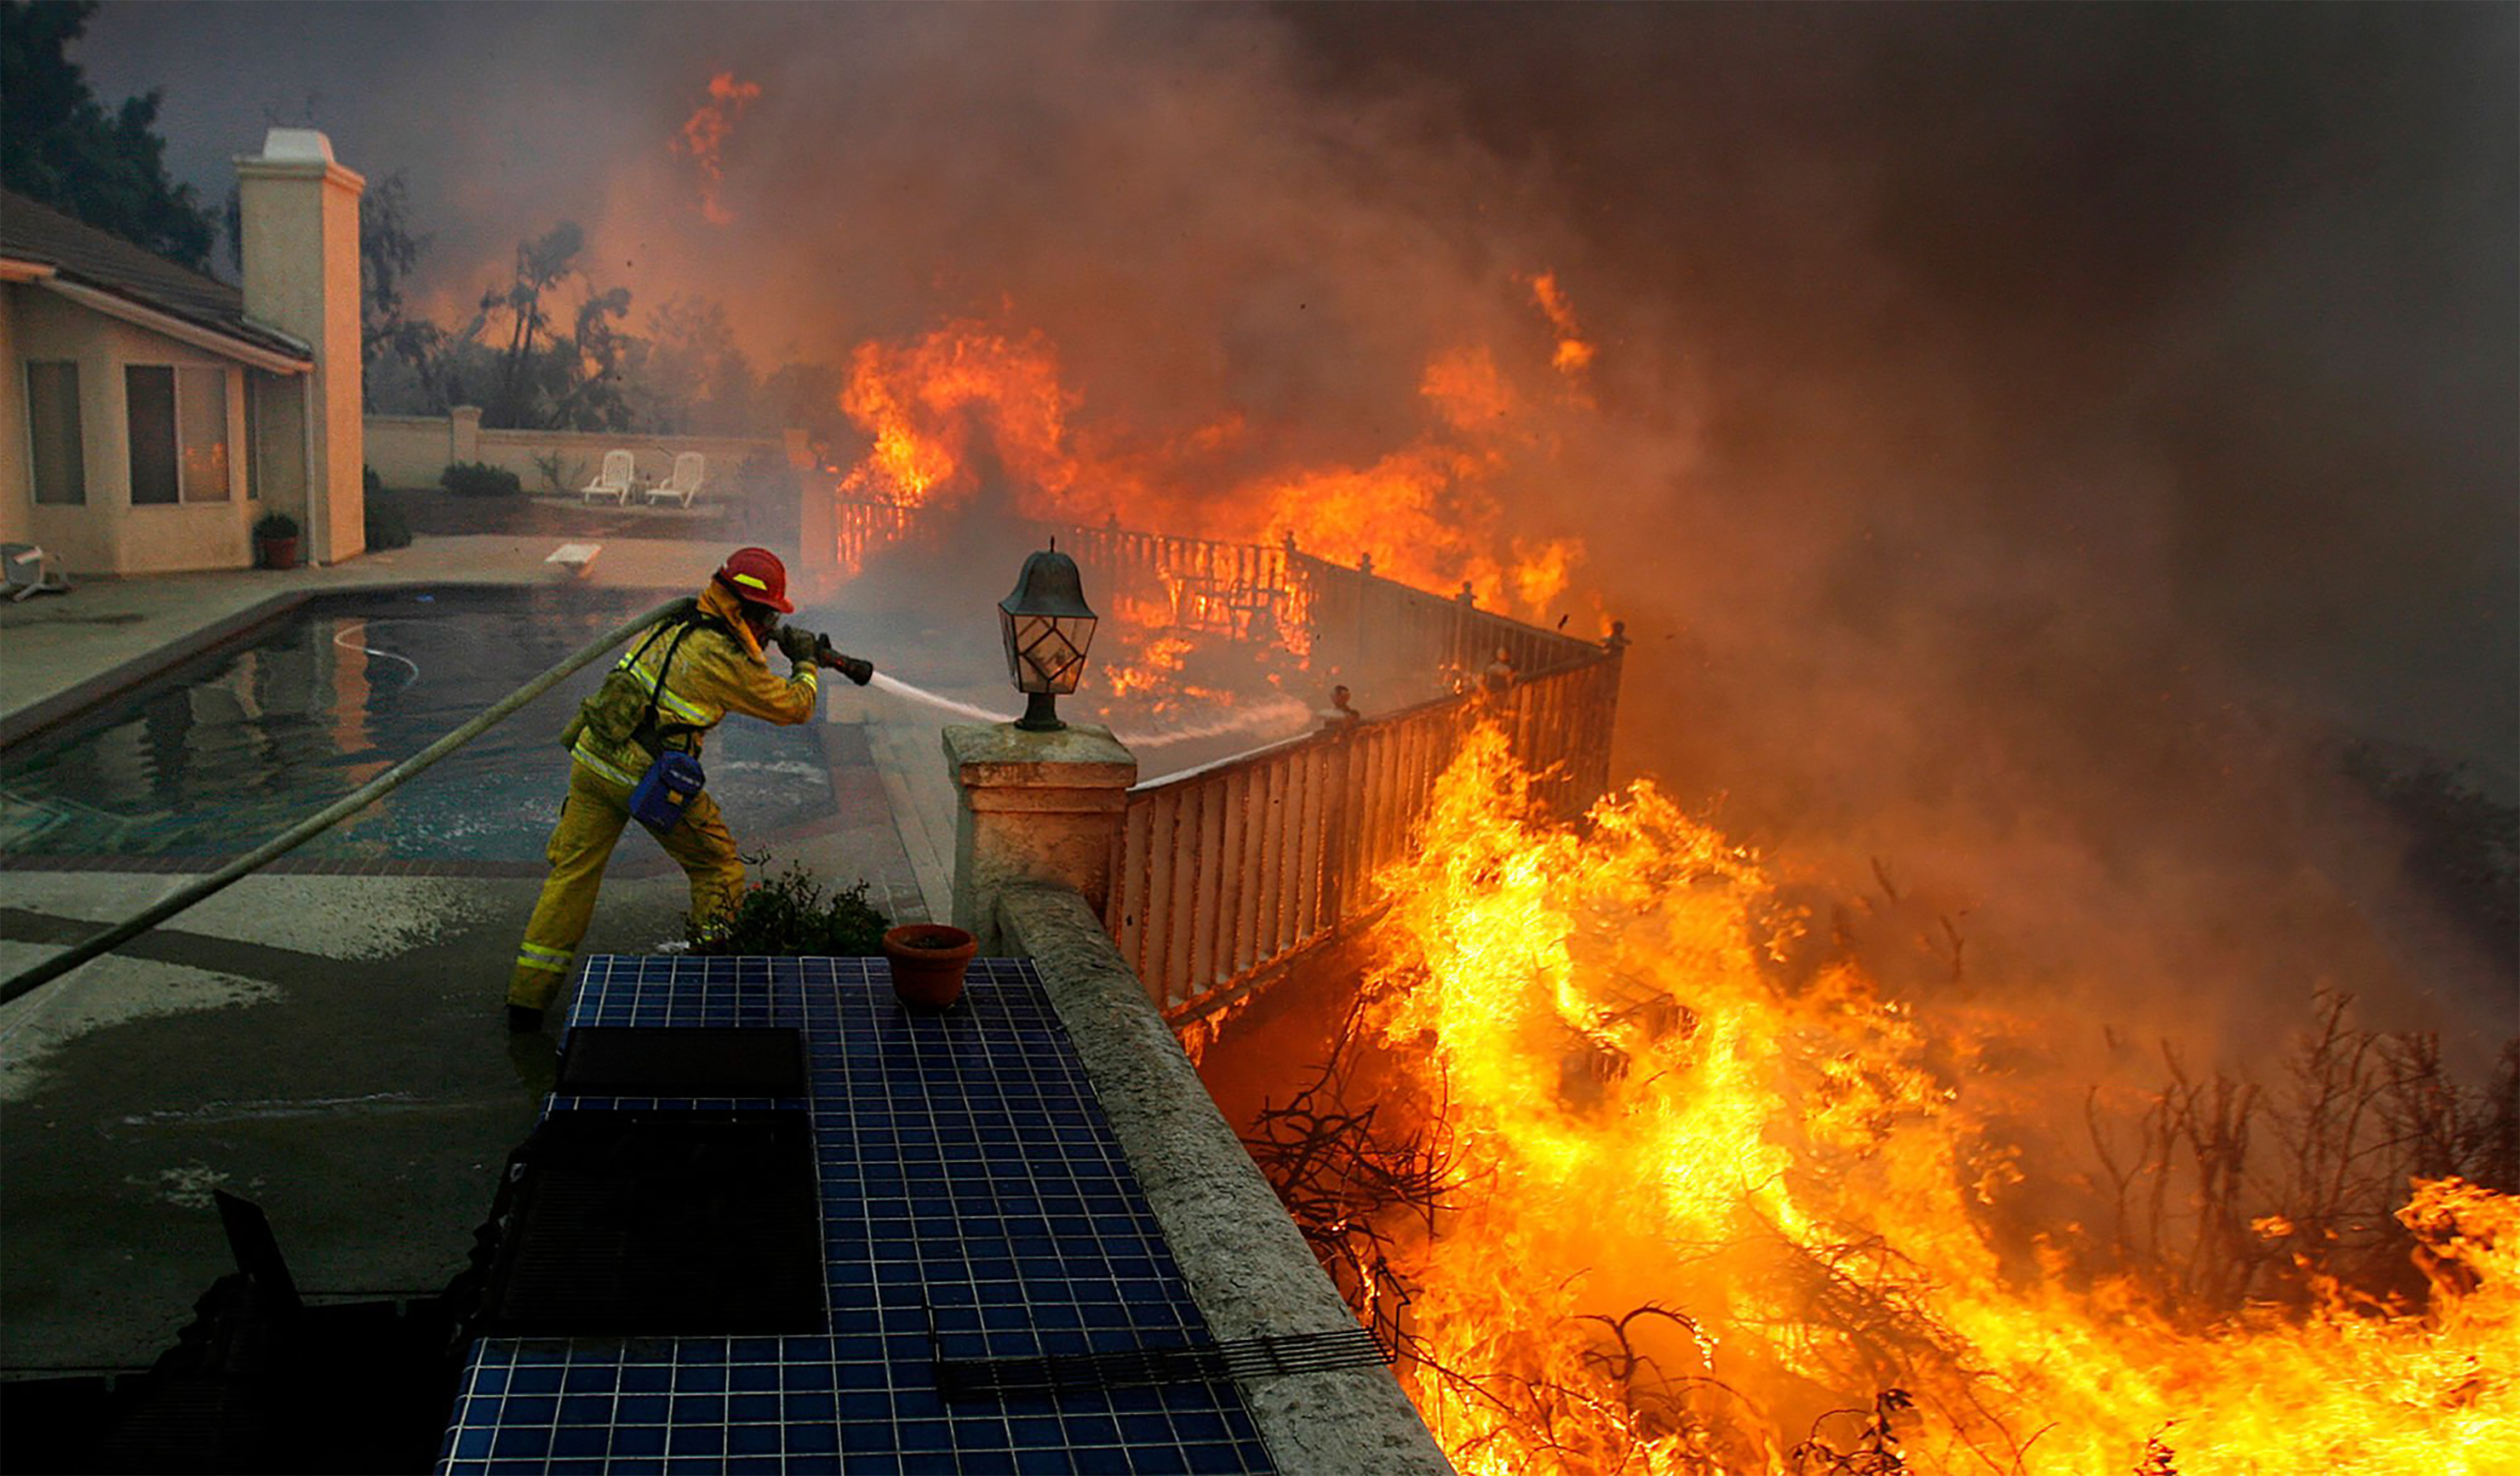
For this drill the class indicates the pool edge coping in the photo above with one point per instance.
(47, 713)
(44, 714)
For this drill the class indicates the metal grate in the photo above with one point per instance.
(1196, 1363)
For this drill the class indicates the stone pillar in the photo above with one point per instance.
(464, 434)
(1035, 807)
(817, 563)
(300, 214)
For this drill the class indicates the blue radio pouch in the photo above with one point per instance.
(659, 797)
(661, 792)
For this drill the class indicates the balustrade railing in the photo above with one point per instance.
(859, 528)
(1242, 589)
(1224, 876)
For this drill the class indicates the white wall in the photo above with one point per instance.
(299, 213)
(109, 535)
(17, 469)
(410, 451)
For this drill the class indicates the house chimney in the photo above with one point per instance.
(299, 213)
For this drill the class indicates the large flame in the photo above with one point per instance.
(1711, 1214)
(704, 138)
(938, 408)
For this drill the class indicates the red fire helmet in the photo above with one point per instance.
(756, 575)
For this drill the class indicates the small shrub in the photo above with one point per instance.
(370, 481)
(387, 528)
(275, 525)
(476, 479)
(561, 474)
(790, 914)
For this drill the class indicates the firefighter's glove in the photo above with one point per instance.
(797, 644)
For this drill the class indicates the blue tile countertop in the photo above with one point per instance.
(966, 1176)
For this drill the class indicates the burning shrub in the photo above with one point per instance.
(1784, 1224)
(1347, 1173)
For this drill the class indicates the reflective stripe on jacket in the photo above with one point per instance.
(715, 672)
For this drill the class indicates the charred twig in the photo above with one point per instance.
(1345, 1175)
(1875, 1448)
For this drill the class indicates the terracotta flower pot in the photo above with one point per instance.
(278, 553)
(927, 962)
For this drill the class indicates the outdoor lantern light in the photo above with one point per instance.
(1047, 626)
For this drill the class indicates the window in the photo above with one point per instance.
(201, 404)
(178, 433)
(59, 453)
(148, 395)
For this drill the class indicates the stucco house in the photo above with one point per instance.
(154, 413)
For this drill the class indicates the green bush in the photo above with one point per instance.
(476, 479)
(387, 528)
(275, 525)
(788, 915)
(370, 481)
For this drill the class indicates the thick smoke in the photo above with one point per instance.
(2024, 442)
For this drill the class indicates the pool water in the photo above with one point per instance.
(216, 757)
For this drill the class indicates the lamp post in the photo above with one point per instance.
(1046, 626)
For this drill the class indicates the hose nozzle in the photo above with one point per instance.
(857, 669)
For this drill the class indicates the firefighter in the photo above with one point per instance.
(681, 677)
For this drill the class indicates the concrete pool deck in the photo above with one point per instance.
(327, 1045)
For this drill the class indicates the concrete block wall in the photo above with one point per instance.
(1245, 1262)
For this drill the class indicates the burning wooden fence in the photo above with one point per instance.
(859, 528)
(1223, 876)
(1242, 590)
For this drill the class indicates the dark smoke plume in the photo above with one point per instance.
(2029, 442)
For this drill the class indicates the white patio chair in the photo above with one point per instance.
(620, 470)
(690, 469)
(25, 569)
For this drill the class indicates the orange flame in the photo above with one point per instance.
(1712, 1217)
(704, 138)
(1574, 353)
(1428, 512)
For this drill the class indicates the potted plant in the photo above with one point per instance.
(276, 541)
(927, 962)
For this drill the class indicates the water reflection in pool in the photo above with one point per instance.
(219, 754)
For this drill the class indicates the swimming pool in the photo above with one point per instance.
(211, 758)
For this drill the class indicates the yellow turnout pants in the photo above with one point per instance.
(591, 821)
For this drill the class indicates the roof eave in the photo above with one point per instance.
(183, 330)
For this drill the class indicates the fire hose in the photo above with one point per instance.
(365, 794)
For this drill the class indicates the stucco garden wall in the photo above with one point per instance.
(410, 451)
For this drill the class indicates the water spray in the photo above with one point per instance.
(1277, 714)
